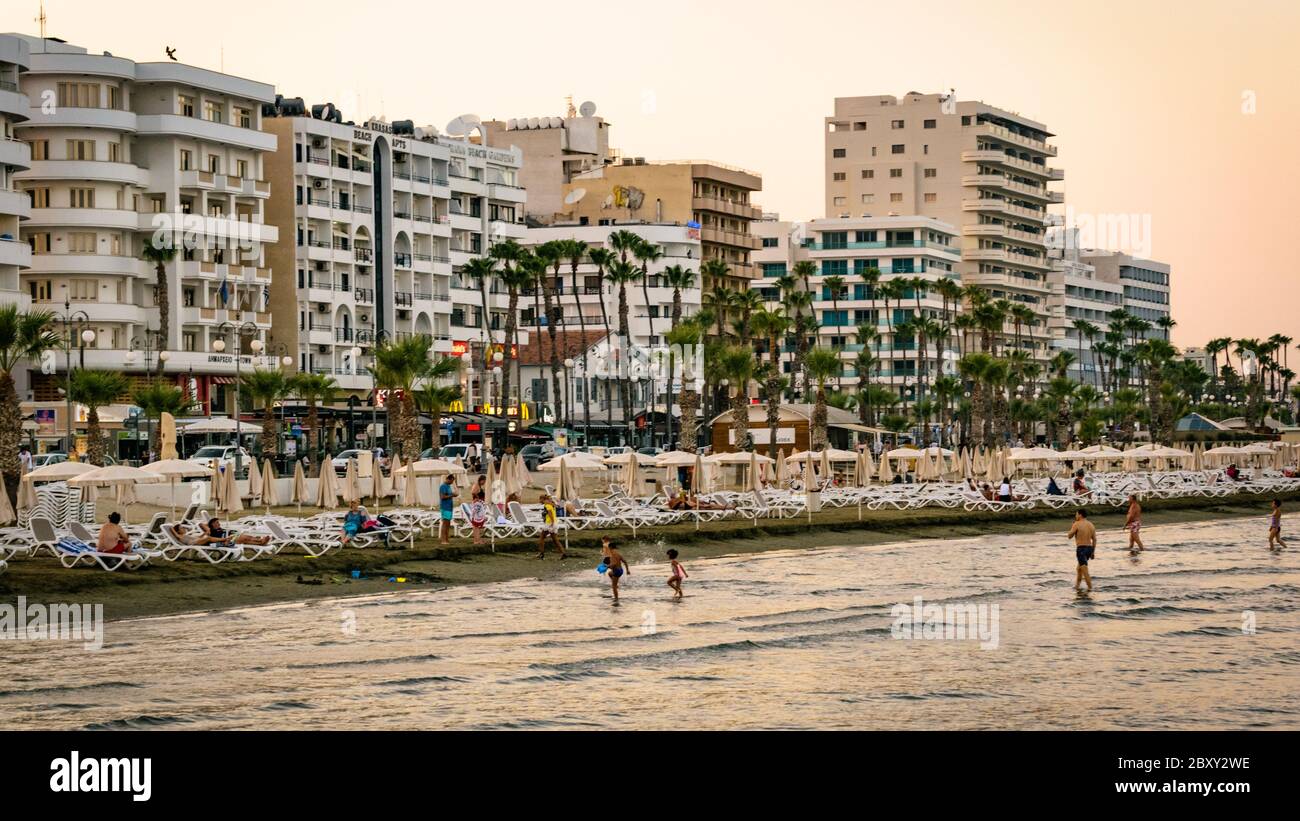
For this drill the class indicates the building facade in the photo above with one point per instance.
(555, 150)
(125, 154)
(1143, 282)
(971, 165)
(910, 249)
(1077, 295)
(15, 157)
(379, 220)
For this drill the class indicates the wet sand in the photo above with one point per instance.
(189, 586)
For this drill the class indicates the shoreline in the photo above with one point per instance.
(189, 587)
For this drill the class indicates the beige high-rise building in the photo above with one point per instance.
(554, 149)
(969, 164)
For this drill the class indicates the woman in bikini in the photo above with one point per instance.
(1134, 524)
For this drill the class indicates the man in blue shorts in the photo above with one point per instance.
(446, 504)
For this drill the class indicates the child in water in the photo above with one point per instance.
(1275, 526)
(617, 567)
(679, 573)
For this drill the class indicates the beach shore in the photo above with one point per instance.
(167, 588)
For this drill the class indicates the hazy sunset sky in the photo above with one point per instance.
(1146, 97)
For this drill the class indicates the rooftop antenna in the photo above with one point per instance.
(42, 19)
(572, 112)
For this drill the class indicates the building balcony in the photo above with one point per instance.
(67, 116)
(76, 264)
(14, 103)
(1002, 206)
(83, 170)
(15, 252)
(733, 238)
(175, 125)
(16, 204)
(1006, 135)
(724, 206)
(116, 218)
(15, 153)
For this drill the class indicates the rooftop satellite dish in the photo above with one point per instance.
(587, 109)
(534, 122)
(574, 196)
(462, 125)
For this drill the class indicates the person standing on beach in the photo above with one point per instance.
(617, 567)
(1085, 546)
(1275, 526)
(446, 504)
(1133, 524)
(549, 527)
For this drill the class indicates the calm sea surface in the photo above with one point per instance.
(788, 639)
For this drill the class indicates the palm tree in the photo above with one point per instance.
(621, 273)
(94, 389)
(646, 253)
(601, 258)
(680, 337)
(747, 303)
(400, 366)
(158, 255)
(737, 366)
(822, 364)
(157, 398)
(574, 250)
(482, 270)
(1167, 324)
(315, 389)
(516, 274)
(679, 279)
(435, 399)
(714, 272)
(719, 302)
(23, 337)
(1083, 329)
(552, 253)
(267, 387)
(802, 271)
(835, 287)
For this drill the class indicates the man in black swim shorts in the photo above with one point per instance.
(1085, 546)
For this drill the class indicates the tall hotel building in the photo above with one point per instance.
(378, 220)
(15, 156)
(971, 165)
(119, 150)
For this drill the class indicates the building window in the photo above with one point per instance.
(771, 242)
(114, 152)
(965, 119)
(81, 197)
(895, 197)
(115, 98)
(895, 173)
(838, 201)
(189, 340)
(931, 197)
(897, 125)
(241, 169)
(930, 173)
(243, 118)
(868, 174)
(40, 290)
(187, 159)
(214, 164)
(186, 105)
(40, 242)
(896, 149)
(925, 149)
(838, 153)
(839, 176)
(867, 199)
(40, 149)
(931, 123)
(859, 126)
(84, 290)
(40, 197)
(81, 242)
(79, 95)
(81, 149)
(213, 112)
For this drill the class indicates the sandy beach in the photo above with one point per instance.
(190, 586)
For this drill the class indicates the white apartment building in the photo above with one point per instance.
(972, 165)
(15, 156)
(647, 324)
(908, 247)
(1078, 293)
(1144, 282)
(382, 219)
(121, 150)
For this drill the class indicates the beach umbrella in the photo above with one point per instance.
(522, 477)
(631, 476)
(27, 498)
(809, 482)
(491, 472)
(327, 494)
(254, 482)
(61, 472)
(7, 514)
(167, 433)
(173, 469)
(299, 494)
(411, 487)
(866, 467)
(214, 484)
(631, 455)
(782, 470)
(383, 486)
(886, 475)
(564, 483)
(351, 483)
(826, 464)
(114, 476)
(230, 501)
(398, 475)
(754, 483)
(270, 494)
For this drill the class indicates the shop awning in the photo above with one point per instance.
(856, 427)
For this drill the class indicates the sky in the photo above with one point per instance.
(1181, 113)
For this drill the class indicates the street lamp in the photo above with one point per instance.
(219, 345)
(568, 393)
(87, 336)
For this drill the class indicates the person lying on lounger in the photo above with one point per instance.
(216, 534)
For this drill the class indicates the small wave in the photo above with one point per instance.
(288, 705)
(70, 688)
(1144, 612)
(321, 665)
(406, 682)
(141, 722)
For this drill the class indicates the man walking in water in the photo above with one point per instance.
(1085, 546)
(1133, 524)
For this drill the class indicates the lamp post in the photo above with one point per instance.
(381, 337)
(219, 345)
(86, 337)
(568, 394)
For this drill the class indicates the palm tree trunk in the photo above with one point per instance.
(268, 431)
(511, 327)
(164, 310)
(582, 335)
(11, 431)
(94, 438)
(624, 385)
(552, 320)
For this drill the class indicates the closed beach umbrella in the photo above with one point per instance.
(782, 470)
(299, 493)
(826, 465)
(868, 468)
(327, 494)
(270, 493)
(7, 515)
(254, 482)
(411, 487)
(167, 433)
(754, 483)
(27, 498)
(214, 484)
(522, 477)
(631, 476)
(230, 501)
(351, 483)
(885, 475)
(491, 472)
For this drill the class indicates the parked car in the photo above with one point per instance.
(649, 451)
(224, 455)
(344, 456)
(533, 455)
(54, 458)
(616, 450)
(458, 451)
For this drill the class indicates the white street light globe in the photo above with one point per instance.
(355, 351)
(496, 371)
(568, 363)
(466, 358)
(256, 345)
(498, 357)
(130, 357)
(165, 355)
(88, 336)
(218, 345)
(287, 361)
